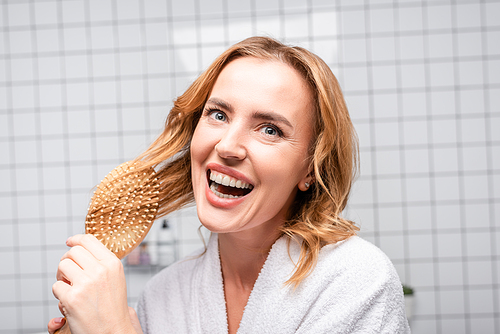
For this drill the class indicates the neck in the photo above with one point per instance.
(242, 256)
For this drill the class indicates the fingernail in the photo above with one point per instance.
(58, 320)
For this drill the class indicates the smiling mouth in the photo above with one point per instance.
(225, 186)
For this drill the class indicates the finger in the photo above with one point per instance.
(90, 243)
(82, 257)
(60, 289)
(68, 271)
(55, 323)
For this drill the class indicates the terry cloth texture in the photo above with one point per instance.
(354, 288)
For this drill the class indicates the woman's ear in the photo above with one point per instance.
(306, 182)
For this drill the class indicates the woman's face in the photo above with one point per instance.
(249, 152)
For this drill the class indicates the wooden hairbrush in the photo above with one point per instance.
(122, 210)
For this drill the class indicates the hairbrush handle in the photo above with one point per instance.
(122, 210)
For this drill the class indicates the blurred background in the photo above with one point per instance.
(86, 85)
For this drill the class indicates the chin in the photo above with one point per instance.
(217, 228)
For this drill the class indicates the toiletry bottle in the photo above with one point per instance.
(166, 255)
(133, 259)
(144, 255)
(153, 245)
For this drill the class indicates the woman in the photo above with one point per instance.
(263, 143)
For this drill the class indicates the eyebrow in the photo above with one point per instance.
(220, 103)
(264, 115)
(271, 116)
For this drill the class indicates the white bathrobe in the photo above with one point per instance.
(353, 289)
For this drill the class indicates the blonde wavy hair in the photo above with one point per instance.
(315, 218)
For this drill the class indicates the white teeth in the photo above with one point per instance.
(229, 181)
(221, 195)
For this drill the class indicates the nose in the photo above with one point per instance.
(231, 145)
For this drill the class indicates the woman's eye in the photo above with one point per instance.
(270, 131)
(218, 116)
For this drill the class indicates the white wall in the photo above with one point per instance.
(86, 85)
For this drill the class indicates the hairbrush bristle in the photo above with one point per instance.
(123, 208)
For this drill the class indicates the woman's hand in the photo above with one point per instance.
(91, 289)
(56, 323)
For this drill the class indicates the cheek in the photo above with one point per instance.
(197, 156)
(201, 148)
(201, 144)
(279, 167)
(283, 158)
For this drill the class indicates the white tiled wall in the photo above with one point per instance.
(86, 85)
